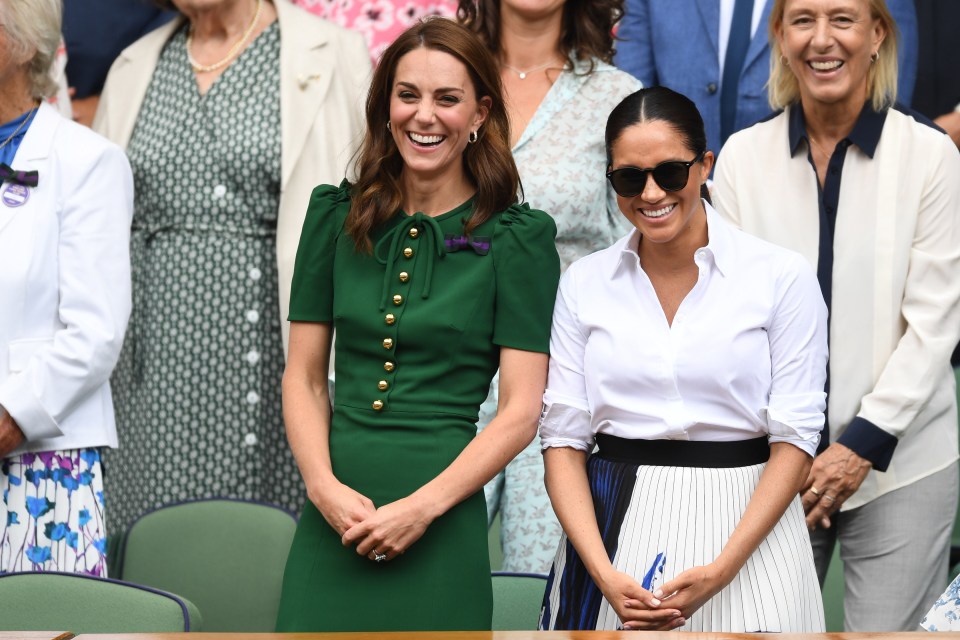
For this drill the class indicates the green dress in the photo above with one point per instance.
(419, 325)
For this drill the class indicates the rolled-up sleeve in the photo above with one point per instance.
(798, 360)
(566, 419)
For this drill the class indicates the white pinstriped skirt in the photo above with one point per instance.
(657, 521)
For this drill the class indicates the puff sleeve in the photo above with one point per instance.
(527, 270)
(311, 298)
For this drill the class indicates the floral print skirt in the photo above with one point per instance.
(944, 615)
(51, 512)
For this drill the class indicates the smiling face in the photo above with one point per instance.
(433, 109)
(828, 45)
(662, 217)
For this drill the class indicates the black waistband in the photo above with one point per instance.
(684, 453)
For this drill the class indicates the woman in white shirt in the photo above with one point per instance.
(693, 356)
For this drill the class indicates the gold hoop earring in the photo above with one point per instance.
(784, 61)
(473, 137)
(874, 56)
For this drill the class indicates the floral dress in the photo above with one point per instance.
(51, 515)
(380, 21)
(944, 615)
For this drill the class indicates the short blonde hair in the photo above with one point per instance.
(33, 32)
(783, 89)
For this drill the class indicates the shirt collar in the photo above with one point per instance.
(865, 134)
(718, 245)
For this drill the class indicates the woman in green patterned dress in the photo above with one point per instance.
(432, 276)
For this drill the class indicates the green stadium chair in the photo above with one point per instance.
(516, 600)
(955, 536)
(834, 590)
(77, 603)
(225, 555)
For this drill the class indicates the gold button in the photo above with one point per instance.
(377, 405)
(414, 232)
(404, 276)
(382, 385)
(388, 343)
(398, 299)
(389, 366)
(390, 319)
(408, 252)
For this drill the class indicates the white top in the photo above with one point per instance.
(746, 355)
(726, 19)
(895, 313)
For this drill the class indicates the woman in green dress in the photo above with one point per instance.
(432, 275)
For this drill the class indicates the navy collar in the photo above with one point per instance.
(866, 132)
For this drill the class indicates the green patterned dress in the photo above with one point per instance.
(197, 389)
(419, 324)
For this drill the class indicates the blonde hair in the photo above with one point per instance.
(783, 89)
(33, 31)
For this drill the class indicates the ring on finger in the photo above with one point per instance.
(379, 557)
(828, 497)
(814, 491)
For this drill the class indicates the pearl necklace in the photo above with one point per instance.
(523, 73)
(234, 50)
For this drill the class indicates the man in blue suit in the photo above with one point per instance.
(677, 43)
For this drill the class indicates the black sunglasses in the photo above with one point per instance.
(670, 176)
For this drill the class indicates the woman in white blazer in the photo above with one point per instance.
(230, 115)
(66, 200)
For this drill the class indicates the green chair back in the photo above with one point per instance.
(834, 590)
(85, 604)
(955, 536)
(225, 555)
(516, 600)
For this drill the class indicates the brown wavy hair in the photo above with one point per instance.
(377, 195)
(586, 33)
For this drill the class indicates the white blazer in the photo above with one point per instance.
(324, 74)
(64, 285)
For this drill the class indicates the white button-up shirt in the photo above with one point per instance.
(746, 354)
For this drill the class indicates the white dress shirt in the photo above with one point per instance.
(746, 354)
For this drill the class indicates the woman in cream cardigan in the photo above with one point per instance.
(868, 192)
(230, 115)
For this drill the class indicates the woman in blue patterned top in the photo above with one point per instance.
(559, 83)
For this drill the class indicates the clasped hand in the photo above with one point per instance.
(389, 531)
(376, 532)
(636, 607)
(667, 607)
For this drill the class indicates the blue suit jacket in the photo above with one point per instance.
(674, 43)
